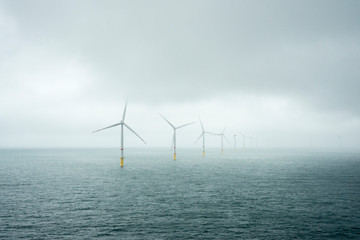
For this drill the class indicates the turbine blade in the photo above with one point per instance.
(185, 125)
(211, 133)
(202, 125)
(226, 139)
(167, 121)
(199, 138)
(107, 127)
(134, 132)
(123, 118)
(224, 130)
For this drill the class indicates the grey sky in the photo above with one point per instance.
(287, 71)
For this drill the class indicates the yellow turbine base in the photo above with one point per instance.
(122, 162)
(203, 153)
(174, 156)
(222, 151)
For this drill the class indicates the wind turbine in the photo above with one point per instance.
(244, 138)
(122, 124)
(222, 139)
(174, 136)
(235, 142)
(251, 142)
(203, 135)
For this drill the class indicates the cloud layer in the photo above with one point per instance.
(61, 62)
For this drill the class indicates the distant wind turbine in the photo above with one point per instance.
(203, 136)
(235, 142)
(244, 138)
(174, 136)
(251, 142)
(222, 139)
(122, 124)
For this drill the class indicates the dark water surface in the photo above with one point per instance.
(82, 194)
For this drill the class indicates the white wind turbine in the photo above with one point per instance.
(203, 135)
(235, 142)
(251, 142)
(174, 136)
(244, 139)
(222, 139)
(122, 124)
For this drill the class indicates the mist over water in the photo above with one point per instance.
(261, 194)
(265, 74)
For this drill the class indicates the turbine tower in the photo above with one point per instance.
(122, 124)
(222, 139)
(203, 135)
(174, 136)
(235, 142)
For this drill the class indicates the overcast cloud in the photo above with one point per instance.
(285, 71)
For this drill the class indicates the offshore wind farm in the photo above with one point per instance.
(258, 102)
(173, 144)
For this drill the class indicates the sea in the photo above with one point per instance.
(243, 194)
